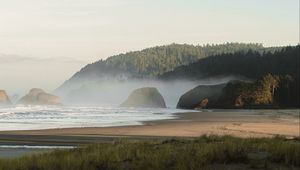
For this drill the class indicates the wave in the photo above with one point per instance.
(45, 117)
(35, 147)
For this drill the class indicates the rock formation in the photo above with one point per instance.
(39, 97)
(4, 99)
(203, 104)
(145, 97)
(200, 97)
(257, 94)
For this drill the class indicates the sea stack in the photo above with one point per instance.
(38, 96)
(4, 99)
(200, 97)
(148, 97)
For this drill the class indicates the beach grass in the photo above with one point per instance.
(206, 152)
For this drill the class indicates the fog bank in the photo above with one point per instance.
(113, 92)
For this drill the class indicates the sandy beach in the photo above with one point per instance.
(241, 123)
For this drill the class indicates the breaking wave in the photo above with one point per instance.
(46, 117)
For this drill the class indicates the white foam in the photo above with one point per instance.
(35, 147)
(43, 117)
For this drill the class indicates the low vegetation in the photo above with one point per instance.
(201, 153)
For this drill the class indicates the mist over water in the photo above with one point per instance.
(114, 92)
(96, 104)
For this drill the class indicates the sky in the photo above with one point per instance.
(44, 42)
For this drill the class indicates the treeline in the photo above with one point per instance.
(155, 61)
(250, 64)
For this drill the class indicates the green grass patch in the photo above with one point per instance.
(206, 152)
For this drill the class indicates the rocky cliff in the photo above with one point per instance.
(270, 91)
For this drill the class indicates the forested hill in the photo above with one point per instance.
(155, 61)
(249, 64)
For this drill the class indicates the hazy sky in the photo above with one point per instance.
(43, 42)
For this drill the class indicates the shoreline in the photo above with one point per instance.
(240, 123)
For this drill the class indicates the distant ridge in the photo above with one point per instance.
(153, 62)
(250, 64)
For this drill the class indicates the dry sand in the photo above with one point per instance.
(241, 123)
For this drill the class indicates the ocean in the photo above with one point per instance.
(53, 117)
